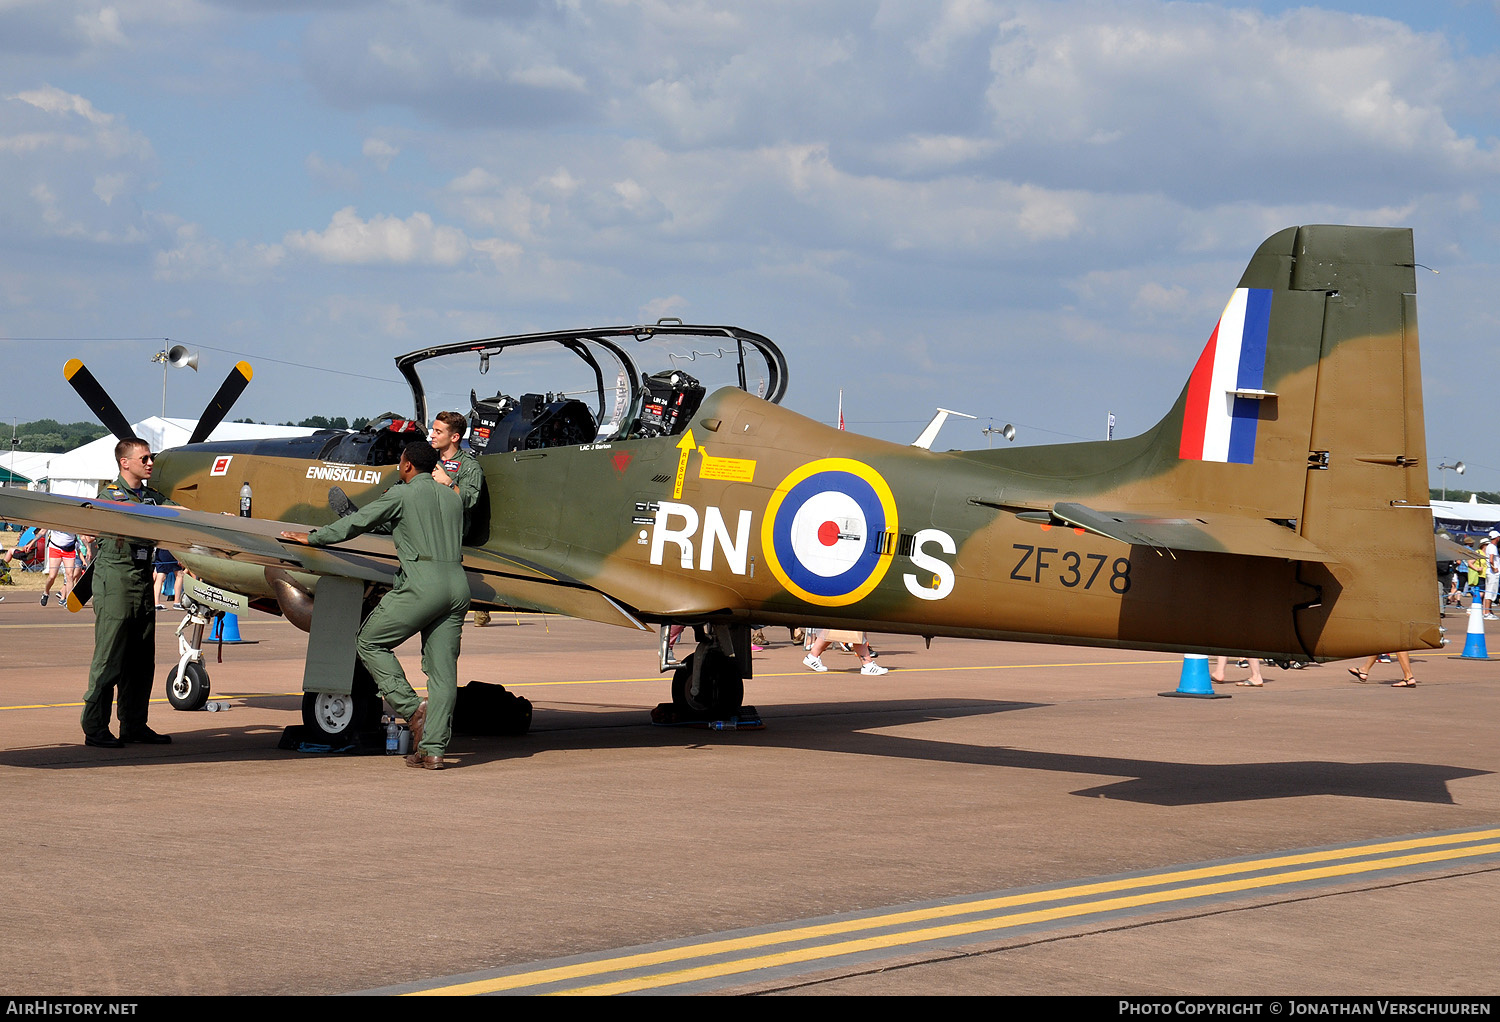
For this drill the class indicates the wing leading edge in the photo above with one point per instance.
(493, 579)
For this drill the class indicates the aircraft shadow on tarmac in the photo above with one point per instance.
(1153, 782)
(1167, 783)
(836, 727)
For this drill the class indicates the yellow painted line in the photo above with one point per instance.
(1017, 667)
(1018, 919)
(802, 933)
(63, 706)
(59, 624)
(834, 670)
(662, 677)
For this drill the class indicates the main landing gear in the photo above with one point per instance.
(338, 718)
(334, 715)
(709, 683)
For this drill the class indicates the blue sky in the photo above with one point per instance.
(1032, 212)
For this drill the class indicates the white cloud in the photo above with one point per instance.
(485, 201)
(1153, 297)
(658, 308)
(456, 63)
(923, 154)
(109, 187)
(379, 152)
(940, 216)
(101, 26)
(415, 240)
(562, 183)
(550, 77)
(331, 174)
(504, 254)
(1196, 99)
(67, 166)
(191, 254)
(55, 101)
(1119, 96)
(474, 181)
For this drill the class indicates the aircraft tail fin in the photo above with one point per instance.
(1305, 410)
(1298, 438)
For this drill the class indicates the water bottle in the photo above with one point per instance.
(245, 499)
(725, 725)
(216, 707)
(392, 737)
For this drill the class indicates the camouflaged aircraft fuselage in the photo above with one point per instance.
(1278, 509)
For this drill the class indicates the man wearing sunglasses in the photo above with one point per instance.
(124, 615)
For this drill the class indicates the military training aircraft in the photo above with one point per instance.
(1278, 509)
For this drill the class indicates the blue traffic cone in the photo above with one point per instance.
(1474, 647)
(1195, 683)
(226, 629)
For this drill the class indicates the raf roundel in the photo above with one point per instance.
(826, 531)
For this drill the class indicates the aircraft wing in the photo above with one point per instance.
(1209, 533)
(492, 578)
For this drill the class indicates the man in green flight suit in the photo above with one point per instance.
(431, 596)
(459, 469)
(456, 466)
(124, 614)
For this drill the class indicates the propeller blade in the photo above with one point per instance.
(234, 385)
(100, 403)
(82, 589)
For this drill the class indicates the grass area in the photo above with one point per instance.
(29, 582)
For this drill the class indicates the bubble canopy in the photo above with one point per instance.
(610, 368)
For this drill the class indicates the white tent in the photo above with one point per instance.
(1466, 517)
(83, 470)
(31, 464)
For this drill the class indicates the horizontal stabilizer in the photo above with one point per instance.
(1210, 533)
(1447, 550)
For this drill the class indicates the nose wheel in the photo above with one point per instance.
(187, 681)
(187, 686)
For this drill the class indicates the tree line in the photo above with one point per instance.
(1483, 496)
(318, 422)
(48, 436)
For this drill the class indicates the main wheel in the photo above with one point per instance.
(334, 714)
(190, 691)
(721, 690)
